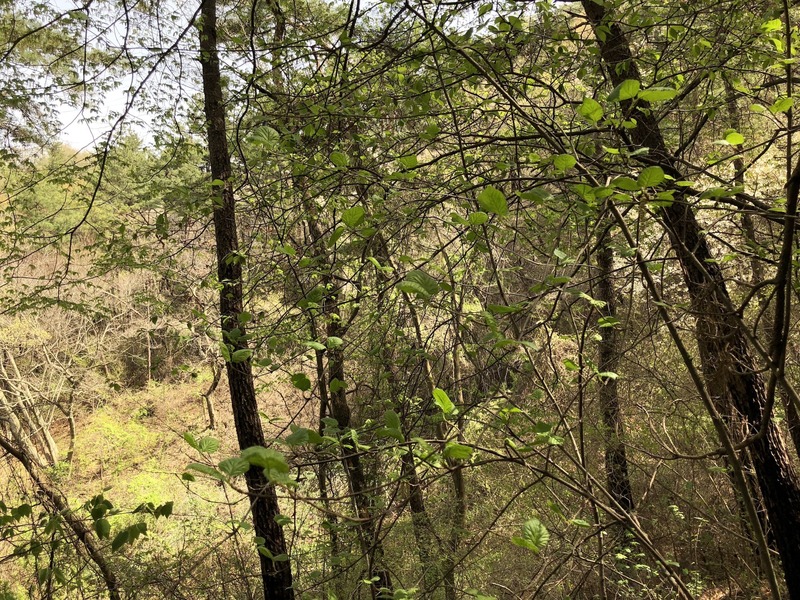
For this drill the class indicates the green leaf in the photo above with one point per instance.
(627, 184)
(502, 309)
(624, 91)
(431, 131)
(314, 345)
(336, 385)
(301, 382)
(593, 301)
(563, 162)
(54, 524)
(658, 94)
(337, 233)
(534, 536)
(393, 426)
(339, 159)
(420, 283)
(608, 321)
(781, 105)
(458, 219)
(651, 176)
(206, 470)
(302, 435)
(265, 136)
(233, 467)
(208, 444)
(493, 201)
(579, 523)
(392, 420)
(591, 110)
(408, 162)
(734, 138)
(102, 528)
(190, 439)
(391, 432)
(457, 451)
(162, 225)
(717, 192)
(478, 218)
(536, 195)
(241, 356)
(120, 540)
(165, 510)
(353, 217)
(334, 342)
(266, 458)
(442, 400)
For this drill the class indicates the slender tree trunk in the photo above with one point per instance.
(86, 539)
(757, 276)
(421, 522)
(792, 421)
(459, 518)
(756, 266)
(8, 416)
(30, 419)
(432, 561)
(424, 532)
(322, 469)
(73, 434)
(208, 400)
(335, 397)
(731, 376)
(616, 460)
(371, 543)
(449, 560)
(276, 576)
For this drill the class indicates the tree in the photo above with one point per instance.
(731, 375)
(454, 244)
(275, 568)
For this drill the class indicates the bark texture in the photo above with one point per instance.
(616, 459)
(276, 575)
(86, 540)
(334, 402)
(728, 367)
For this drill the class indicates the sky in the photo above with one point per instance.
(80, 135)
(137, 41)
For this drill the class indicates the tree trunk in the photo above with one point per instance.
(208, 400)
(86, 539)
(371, 543)
(616, 463)
(757, 277)
(731, 376)
(448, 562)
(432, 560)
(322, 469)
(29, 419)
(335, 397)
(276, 575)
